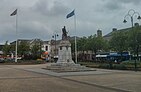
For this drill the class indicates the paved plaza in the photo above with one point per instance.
(33, 78)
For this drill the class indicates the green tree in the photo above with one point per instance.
(95, 43)
(106, 46)
(135, 41)
(23, 48)
(36, 49)
(6, 49)
(81, 47)
(119, 42)
(81, 44)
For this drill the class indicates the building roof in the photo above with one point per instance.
(109, 35)
(19, 40)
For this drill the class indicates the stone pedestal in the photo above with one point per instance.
(65, 52)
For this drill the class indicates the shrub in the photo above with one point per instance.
(105, 66)
(119, 66)
(131, 63)
(113, 66)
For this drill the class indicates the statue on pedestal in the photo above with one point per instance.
(65, 62)
(64, 55)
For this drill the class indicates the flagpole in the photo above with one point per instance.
(68, 16)
(16, 48)
(75, 38)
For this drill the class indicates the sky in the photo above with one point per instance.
(44, 18)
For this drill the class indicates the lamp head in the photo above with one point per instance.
(124, 21)
(139, 17)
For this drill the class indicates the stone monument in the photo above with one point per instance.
(65, 62)
(65, 49)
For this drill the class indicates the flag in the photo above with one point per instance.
(70, 14)
(14, 13)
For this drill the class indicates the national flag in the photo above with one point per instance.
(71, 14)
(14, 13)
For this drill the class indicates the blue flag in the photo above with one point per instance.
(13, 13)
(70, 14)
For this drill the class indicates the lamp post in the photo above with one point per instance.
(131, 13)
(55, 36)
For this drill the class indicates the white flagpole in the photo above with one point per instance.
(16, 48)
(75, 39)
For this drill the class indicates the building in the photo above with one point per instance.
(46, 46)
(54, 48)
(99, 33)
(109, 35)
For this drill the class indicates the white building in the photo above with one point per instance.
(46, 46)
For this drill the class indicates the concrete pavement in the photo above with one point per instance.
(32, 78)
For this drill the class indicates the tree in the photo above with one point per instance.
(106, 46)
(135, 41)
(23, 48)
(81, 44)
(95, 44)
(6, 49)
(81, 47)
(119, 42)
(36, 49)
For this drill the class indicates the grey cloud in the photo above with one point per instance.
(113, 5)
(42, 18)
(56, 9)
(123, 1)
(33, 29)
(130, 1)
(119, 4)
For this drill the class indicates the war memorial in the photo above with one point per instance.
(65, 62)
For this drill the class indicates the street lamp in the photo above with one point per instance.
(55, 36)
(131, 13)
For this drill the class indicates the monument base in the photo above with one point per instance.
(67, 67)
(64, 55)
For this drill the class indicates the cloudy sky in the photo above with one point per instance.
(44, 18)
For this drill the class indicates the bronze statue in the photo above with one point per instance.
(64, 35)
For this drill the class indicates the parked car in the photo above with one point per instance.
(1, 60)
(9, 59)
